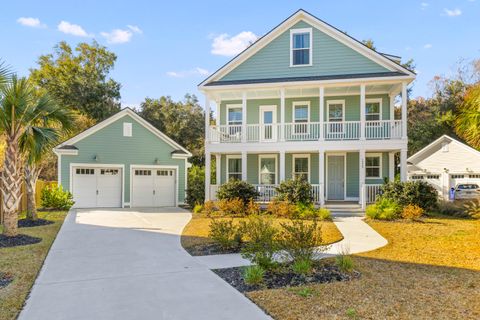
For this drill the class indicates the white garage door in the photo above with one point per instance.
(97, 187)
(153, 187)
(464, 178)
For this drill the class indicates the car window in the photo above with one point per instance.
(467, 186)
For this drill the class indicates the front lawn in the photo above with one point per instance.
(429, 270)
(24, 262)
(195, 234)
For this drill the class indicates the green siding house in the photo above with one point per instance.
(307, 100)
(123, 161)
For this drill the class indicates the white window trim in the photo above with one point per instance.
(300, 103)
(232, 106)
(301, 156)
(267, 156)
(374, 100)
(371, 155)
(232, 156)
(302, 30)
(330, 102)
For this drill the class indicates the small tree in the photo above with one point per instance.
(237, 189)
(196, 186)
(298, 190)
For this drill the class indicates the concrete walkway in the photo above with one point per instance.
(357, 237)
(129, 264)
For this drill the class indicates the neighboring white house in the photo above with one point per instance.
(444, 163)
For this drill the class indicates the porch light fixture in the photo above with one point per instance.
(96, 158)
(157, 161)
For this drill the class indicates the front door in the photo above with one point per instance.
(336, 178)
(268, 120)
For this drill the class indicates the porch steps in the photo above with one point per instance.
(344, 207)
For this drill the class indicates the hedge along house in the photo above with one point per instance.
(307, 100)
(123, 161)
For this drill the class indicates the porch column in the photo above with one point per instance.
(207, 119)
(391, 166)
(322, 111)
(321, 175)
(207, 175)
(361, 180)
(392, 106)
(217, 118)
(244, 165)
(244, 116)
(362, 112)
(282, 165)
(403, 165)
(404, 110)
(218, 169)
(282, 114)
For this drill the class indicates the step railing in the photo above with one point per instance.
(370, 192)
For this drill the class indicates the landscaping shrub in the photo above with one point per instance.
(195, 186)
(262, 241)
(418, 193)
(383, 209)
(234, 189)
(253, 208)
(299, 239)
(324, 214)
(226, 234)
(54, 197)
(302, 267)
(449, 208)
(233, 206)
(209, 208)
(472, 208)
(253, 275)
(305, 211)
(198, 208)
(281, 209)
(344, 261)
(295, 191)
(412, 212)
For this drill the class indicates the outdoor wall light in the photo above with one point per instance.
(96, 158)
(157, 161)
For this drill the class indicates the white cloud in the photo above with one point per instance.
(73, 29)
(117, 36)
(31, 22)
(427, 46)
(135, 29)
(224, 45)
(424, 5)
(188, 73)
(453, 12)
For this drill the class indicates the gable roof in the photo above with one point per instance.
(390, 62)
(437, 142)
(68, 145)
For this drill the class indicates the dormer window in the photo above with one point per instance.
(301, 47)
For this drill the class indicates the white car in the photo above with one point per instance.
(467, 191)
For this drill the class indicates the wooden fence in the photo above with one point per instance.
(23, 203)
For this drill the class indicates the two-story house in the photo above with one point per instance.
(306, 99)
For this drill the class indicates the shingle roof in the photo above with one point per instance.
(68, 147)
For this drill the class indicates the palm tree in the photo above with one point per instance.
(467, 120)
(26, 117)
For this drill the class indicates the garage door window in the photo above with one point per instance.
(164, 173)
(109, 172)
(458, 176)
(143, 172)
(474, 176)
(85, 171)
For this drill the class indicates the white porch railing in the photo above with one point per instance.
(370, 192)
(308, 131)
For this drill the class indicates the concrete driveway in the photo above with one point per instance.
(129, 264)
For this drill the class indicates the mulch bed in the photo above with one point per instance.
(322, 273)
(19, 240)
(27, 223)
(5, 279)
(209, 249)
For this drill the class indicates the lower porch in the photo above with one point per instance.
(336, 177)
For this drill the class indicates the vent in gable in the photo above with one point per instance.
(127, 129)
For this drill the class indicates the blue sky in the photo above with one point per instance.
(167, 48)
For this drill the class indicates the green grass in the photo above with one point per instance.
(24, 263)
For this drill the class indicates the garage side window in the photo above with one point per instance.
(127, 129)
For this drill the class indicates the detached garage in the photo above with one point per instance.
(445, 163)
(123, 161)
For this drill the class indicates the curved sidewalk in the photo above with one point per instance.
(357, 237)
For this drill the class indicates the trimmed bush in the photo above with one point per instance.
(226, 234)
(324, 214)
(231, 207)
(253, 275)
(54, 197)
(295, 191)
(195, 186)
(412, 212)
(472, 208)
(282, 209)
(383, 209)
(262, 242)
(209, 208)
(253, 208)
(299, 238)
(418, 193)
(234, 189)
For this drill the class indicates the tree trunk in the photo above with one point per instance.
(11, 184)
(31, 176)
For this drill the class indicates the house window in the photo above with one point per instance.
(234, 168)
(373, 109)
(373, 166)
(301, 47)
(300, 116)
(127, 129)
(335, 110)
(301, 167)
(267, 169)
(234, 115)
